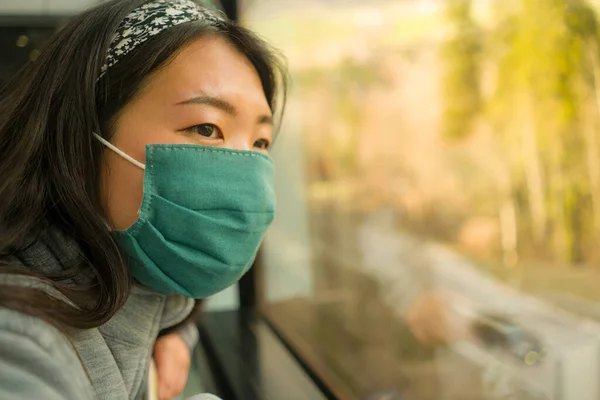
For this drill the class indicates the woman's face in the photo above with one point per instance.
(210, 94)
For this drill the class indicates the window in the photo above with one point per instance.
(438, 178)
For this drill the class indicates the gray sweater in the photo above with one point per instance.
(110, 362)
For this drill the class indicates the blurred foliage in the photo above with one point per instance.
(461, 85)
(541, 111)
(504, 139)
(347, 85)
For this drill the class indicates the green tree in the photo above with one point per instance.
(539, 89)
(461, 92)
(582, 22)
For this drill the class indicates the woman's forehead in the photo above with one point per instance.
(208, 66)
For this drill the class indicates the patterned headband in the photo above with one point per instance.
(151, 19)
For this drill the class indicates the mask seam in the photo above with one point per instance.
(209, 150)
(146, 210)
(231, 211)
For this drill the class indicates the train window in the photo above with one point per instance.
(439, 196)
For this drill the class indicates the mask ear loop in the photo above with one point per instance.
(120, 152)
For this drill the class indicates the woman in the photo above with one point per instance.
(134, 179)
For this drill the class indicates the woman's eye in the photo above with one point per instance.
(206, 130)
(262, 144)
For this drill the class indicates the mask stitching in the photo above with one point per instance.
(209, 150)
(147, 208)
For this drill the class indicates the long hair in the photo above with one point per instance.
(50, 162)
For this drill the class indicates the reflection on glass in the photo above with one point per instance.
(439, 190)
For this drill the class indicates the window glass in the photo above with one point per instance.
(439, 196)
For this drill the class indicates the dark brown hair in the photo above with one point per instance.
(50, 162)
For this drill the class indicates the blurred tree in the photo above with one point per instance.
(347, 87)
(354, 81)
(461, 91)
(544, 112)
(582, 21)
(464, 103)
(540, 89)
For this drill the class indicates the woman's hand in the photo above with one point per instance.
(173, 358)
(433, 319)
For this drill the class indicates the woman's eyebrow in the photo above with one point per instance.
(223, 105)
(212, 101)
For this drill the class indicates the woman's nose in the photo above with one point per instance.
(238, 143)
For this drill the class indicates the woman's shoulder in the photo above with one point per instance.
(34, 329)
(38, 361)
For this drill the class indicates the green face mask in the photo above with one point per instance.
(204, 213)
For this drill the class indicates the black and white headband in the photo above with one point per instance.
(151, 19)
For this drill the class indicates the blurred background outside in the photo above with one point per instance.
(448, 147)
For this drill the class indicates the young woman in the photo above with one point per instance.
(135, 178)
